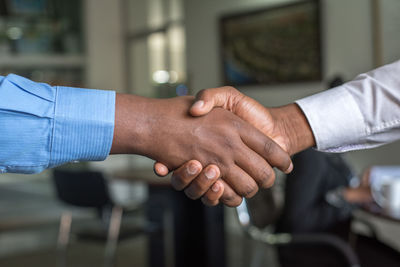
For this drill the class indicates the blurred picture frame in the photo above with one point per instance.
(27, 7)
(280, 44)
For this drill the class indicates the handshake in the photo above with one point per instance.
(221, 145)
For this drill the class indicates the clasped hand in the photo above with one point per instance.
(240, 160)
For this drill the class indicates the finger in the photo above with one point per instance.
(212, 196)
(203, 182)
(160, 169)
(229, 196)
(266, 148)
(256, 166)
(185, 174)
(241, 182)
(207, 99)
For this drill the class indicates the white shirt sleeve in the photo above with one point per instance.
(363, 113)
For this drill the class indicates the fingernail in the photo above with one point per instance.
(215, 187)
(211, 173)
(290, 168)
(193, 169)
(199, 104)
(163, 169)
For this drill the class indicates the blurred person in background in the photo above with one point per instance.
(320, 194)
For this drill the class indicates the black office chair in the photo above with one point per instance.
(338, 252)
(89, 189)
(84, 189)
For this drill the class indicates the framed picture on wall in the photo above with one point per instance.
(281, 44)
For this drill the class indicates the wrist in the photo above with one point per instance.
(293, 125)
(132, 124)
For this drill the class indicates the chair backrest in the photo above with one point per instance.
(82, 188)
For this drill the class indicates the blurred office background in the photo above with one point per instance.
(162, 48)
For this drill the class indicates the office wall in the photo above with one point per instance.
(390, 25)
(347, 50)
(104, 44)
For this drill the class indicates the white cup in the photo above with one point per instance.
(387, 193)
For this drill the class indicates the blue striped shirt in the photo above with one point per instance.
(43, 126)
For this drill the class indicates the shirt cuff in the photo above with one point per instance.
(83, 125)
(335, 120)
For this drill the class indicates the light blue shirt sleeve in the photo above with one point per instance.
(43, 126)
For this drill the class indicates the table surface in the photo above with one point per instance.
(375, 210)
(142, 175)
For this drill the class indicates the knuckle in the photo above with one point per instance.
(269, 148)
(202, 93)
(231, 89)
(249, 190)
(264, 173)
(266, 176)
(228, 197)
(237, 124)
(229, 144)
(232, 142)
(251, 194)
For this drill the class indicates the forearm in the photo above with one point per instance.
(292, 122)
(131, 125)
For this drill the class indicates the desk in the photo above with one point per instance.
(377, 211)
(376, 242)
(377, 221)
(197, 231)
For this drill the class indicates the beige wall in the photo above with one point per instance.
(104, 44)
(347, 50)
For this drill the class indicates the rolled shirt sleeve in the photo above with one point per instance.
(363, 113)
(43, 126)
